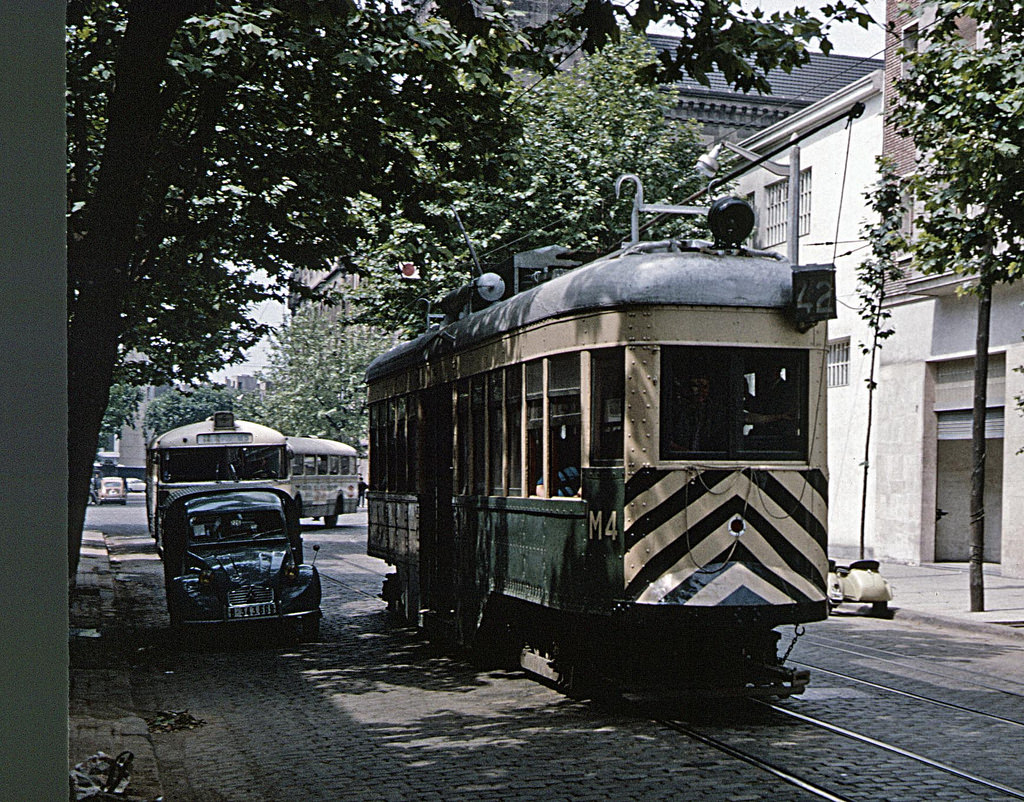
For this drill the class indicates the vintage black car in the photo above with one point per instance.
(234, 553)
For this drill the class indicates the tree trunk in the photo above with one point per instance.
(977, 547)
(100, 250)
(867, 445)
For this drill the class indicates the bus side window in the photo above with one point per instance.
(321, 464)
(310, 465)
(297, 465)
(333, 465)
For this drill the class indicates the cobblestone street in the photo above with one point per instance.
(372, 711)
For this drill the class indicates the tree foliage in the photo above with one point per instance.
(580, 130)
(124, 403)
(876, 274)
(215, 147)
(184, 405)
(962, 103)
(316, 382)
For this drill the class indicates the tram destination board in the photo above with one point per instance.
(814, 294)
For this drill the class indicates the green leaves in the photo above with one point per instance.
(555, 184)
(961, 104)
(316, 380)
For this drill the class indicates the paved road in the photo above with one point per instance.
(373, 712)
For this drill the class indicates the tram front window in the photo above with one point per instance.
(733, 403)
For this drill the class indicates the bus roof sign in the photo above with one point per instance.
(223, 420)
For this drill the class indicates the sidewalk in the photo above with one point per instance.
(939, 593)
(101, 715)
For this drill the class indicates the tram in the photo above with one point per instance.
(618, 473)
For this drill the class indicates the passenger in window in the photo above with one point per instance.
(699, 424)
(774, 409)
(568, 482)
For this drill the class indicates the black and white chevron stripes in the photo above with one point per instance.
(726, 537)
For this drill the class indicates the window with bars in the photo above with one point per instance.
(839, 363)
(777, 209)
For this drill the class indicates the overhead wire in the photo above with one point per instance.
(794, 102)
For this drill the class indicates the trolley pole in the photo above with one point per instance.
(794, 205)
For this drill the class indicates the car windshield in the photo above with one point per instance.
(207, 527)
(235, 516)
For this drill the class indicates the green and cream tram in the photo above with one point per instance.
(618, 470)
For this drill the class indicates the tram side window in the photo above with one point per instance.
(462, 435)
(412, 444)
(478, 441)
(535, 428)
(495, 432)
(391, 480)
(732, 403)
(514, 428)
(564, 422)
(401, 448)
(608, 381)
(376, 450)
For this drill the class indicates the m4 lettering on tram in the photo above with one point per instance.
(598, 528)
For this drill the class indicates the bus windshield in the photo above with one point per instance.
(224, 464)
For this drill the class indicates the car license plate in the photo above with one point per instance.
(251, 610)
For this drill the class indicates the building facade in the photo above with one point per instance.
(916, 498)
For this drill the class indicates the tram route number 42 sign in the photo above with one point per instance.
(814, 294)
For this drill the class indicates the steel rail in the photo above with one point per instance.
(905, 661)
(856, 736)
(916, 696)
(732, 751)
(343, 583)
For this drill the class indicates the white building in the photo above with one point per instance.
(918, 485)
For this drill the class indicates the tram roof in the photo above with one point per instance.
(650, 274)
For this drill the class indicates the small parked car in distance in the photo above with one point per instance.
(136, 485)
(234, 553)
(112, 490)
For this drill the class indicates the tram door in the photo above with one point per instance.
(437, 527)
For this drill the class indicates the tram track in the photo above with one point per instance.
(893, 748)
(915, 696)
(793, 767)
(328, 575)
(819, 789)
(914, 663)
(740, 754)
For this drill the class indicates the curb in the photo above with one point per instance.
(101, 716)
(952, 622)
